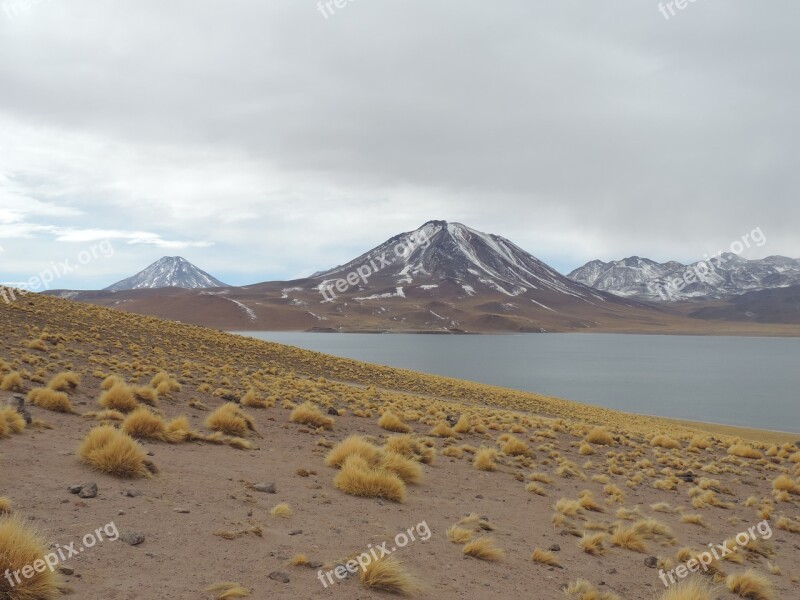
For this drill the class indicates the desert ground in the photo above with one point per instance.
(227, 467)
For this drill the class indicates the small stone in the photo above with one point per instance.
(333, 412)
(182, 510)
(651, 562)
(267, 488)
(66, 570)
(88, 491)
(133, 538)
(296, 532)
(75, 489)
(132, 493)
(279, 576)
(314, 565)
(555, 548)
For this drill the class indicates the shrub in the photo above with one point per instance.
(354, 445)
(111, 451)
(21, 546)
(67, 380)
(391, 422)
(484, 548)
(665, 441)
(744, 451)
(750, 585)
(357, 478)
(11, 382)
(484, 459)
(308, 414)
(49, 399)
(231, 420)
(119, 397)
(388, 575)
(599, 436)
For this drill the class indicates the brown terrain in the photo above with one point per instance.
(505, 492)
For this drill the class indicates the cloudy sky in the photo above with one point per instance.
(267, 140)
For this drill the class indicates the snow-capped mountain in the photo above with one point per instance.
(715, 278)
(441, 253)
(169, 271)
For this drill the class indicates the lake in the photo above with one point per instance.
(746, 381)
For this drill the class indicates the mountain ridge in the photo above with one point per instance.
(168, 271)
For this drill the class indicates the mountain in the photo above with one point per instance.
(716, 278)
(440, 278)
(169, 271)
(779, 305)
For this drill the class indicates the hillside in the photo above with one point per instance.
(253, 495)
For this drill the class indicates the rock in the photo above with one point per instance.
(88, 491)
(66, 570)
(296, 532)
(555, 548)
(279, 576)
(267, 488)
(314, 565)
(22, 410)
(231, 398)
(75, 489)
(333, 412)
(612, 572)
(132, 537)
(452, 420)
(132, 493)
(182, 510)
(651, 562)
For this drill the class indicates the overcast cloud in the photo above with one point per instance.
(262, 140)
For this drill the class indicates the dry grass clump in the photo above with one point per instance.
(21, 546)
(225, 590)
(464, 424)
(513, 446)
(484, 548)
(784, 483)
(665, 441)
(11, 382)
(50, 399)
(388, 575)
(407, 469)
(690, 589)
(308, 414)
(750, 585)
(143, 424)
(599, 436)
(581, 589)
(484, 459)
(231, 420)
(629, 538)
(410, 447)
(693, 520)
(252, 400)
(391, 422)
(118, 397)
(358, 478)
(787, 524)
(163, 383)
(10, 421)
(593, 544)
(146, 394)
(298, 560)
(442, 429)
(544, 557)
(111, 451)
(459, 535)
(111, 381)
(744, 451)
(68, 380)
(354, 445)
(282, 511)
(5, 506)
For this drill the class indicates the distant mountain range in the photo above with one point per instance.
(442, 277)
(169, 271)
(718, 278)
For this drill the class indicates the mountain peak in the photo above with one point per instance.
(168, 271)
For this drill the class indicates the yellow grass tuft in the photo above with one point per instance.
(544, 557)
(308, 414)
(458, 535)
(391, 422)
(744, 451)
(282, 510)
(784, 483)
(442, 429)
(145, 394)
(68, 380)
(388, 575)
(515, 447)
(119, 397)
(665, 441)
(225, 590)
(10, 421)
(484, 459)
(231, 420)
(690, 589)
(298, 560)
(358, 478)
(143, 424)
(5, 506)
(628, 538)
(408, 470)
(581, 589)
(111, 451)
(11, 382)
(50, 399)
(20, 546)
(354, 445)
(750, 585)
(484, 548)
(464, 425)
(599, 436)
(593, 544)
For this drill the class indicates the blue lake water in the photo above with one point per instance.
(746, 381)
